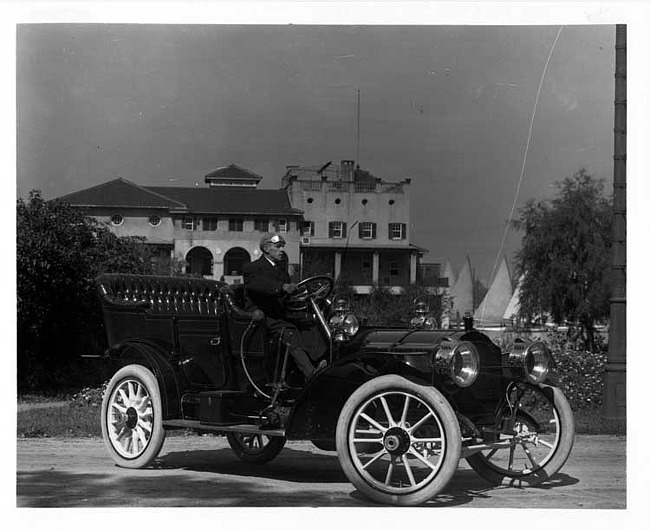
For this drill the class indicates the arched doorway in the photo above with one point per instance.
(199, 261)
(234, 261)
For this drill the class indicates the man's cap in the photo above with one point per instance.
(272, 238)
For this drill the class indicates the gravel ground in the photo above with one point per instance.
(197, 471)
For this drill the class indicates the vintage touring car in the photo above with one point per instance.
(400, 406)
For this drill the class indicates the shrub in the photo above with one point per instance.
(578, 372)
(59, 252)
(89, 397)
(382, 308)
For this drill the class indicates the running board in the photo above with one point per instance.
(469, 450)
(244, 427)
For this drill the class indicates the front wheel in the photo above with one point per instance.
(537, 446)
(131, 417)
(398, 442)
(255, 448)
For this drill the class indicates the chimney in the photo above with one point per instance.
(347, 169)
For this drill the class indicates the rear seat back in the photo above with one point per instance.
(234, 298)
(162, 295)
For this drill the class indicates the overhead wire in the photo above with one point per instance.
(523, 167)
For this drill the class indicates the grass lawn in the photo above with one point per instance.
(66, 420)
(591, 421)
(70, 419)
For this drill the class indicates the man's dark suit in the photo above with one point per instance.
(264, 282)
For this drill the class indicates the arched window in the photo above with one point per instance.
(234, 261)
(199, 261)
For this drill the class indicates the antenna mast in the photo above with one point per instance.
(358, 123)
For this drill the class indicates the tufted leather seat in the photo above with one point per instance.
(165, 295)
(235, 301)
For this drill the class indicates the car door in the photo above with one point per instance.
(201, 348)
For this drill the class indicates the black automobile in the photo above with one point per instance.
(400, 406)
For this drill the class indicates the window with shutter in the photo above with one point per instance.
(397, 231)
(337, 229)
(367, 230)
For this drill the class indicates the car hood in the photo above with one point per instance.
(400, 340)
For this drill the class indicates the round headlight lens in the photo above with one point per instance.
(350, 324)
(459, 361)
(464, 365)
(537, 362)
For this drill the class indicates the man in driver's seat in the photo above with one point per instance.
(267, 283)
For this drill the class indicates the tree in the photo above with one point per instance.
(565, 255)
(59, 253)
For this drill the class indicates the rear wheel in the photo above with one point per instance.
(538, 445)
(398, 442)
(255, 448)
(131, 417)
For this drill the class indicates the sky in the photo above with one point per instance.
(448, 106)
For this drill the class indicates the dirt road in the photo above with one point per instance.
(202, 471)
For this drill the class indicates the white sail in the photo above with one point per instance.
(462, 291)
(497, 299)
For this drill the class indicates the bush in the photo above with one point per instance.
(59, 252)
(90, 397)
(579, 373)
(382, 308)
(581, 376)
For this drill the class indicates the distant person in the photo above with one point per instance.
(267, 283)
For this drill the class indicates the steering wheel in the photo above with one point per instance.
(315, 288)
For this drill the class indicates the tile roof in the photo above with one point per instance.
(119, 192)
(233, 172)
(230, 200)
(122, 193)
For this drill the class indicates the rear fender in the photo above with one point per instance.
(152, 356)
(317, 410)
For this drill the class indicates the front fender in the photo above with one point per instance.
(316, 411)
(153, 356)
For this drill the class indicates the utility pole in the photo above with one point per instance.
(615, 370)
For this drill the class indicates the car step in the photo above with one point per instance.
(243, 427)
